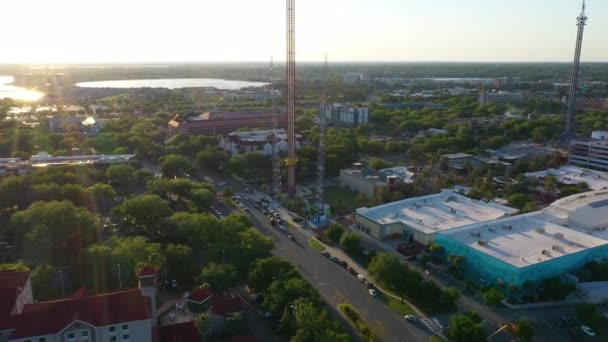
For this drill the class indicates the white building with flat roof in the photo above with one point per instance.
(571, 175)
(346, 115)
(420, 218)
(519, 249)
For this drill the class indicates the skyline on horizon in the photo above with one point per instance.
(188, 31)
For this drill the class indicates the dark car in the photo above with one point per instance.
(326, 253)
(370, 285)
(334, 259)
(343, 263)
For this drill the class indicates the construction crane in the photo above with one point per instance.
(291, 100)
(275, 188)
(321, 148)
(581, 21)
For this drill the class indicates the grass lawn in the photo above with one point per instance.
(340, 199)
(312, 242)
(435, 339)
(396, 305)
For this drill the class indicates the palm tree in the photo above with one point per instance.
(203, 325)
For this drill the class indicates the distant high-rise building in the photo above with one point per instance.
(581, 22)
(346, 115)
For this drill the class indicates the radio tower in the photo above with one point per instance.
(321, 151)
(291, 99)
(275, 188)
(581, 22)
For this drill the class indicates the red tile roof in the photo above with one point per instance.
(200, 295)
(9, 282)
(226, 305)
(51, 317)
(146, 271)
(182, 332)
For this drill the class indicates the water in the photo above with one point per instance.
(173, 83)
(17, 93)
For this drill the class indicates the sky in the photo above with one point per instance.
(138, 31)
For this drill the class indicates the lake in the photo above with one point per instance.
(173, 83)
(17, 93)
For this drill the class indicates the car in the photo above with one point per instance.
(411, 318)
(351, 270)
(605, 315)
(370, 285)
(282, 228)
(276, 215)
(326, 253)
(365, 252)
(587, 330)
(297, 219)
(343, 263)
(246, 209)
(360, 277)
(290, 237)
(334, 259)
(372, 292)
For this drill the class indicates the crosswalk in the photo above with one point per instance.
(434, 327)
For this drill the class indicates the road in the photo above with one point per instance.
(336, 285)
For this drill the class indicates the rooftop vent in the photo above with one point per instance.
(482, 243)
(558, 248)
(540, 230)
(507, 227)
(558, 236)
(546, 253)
(476, 234)
(492, 229)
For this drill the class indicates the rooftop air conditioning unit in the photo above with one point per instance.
(540, 230)
(558, 248)
(558, 236)
(546, 252)
(482, 242)
(492, 229)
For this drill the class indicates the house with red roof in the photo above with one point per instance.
(110, 317)
(15, 291)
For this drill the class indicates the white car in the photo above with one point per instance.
(587, 330)
(372, 292)
(411, 318)
(360, 277)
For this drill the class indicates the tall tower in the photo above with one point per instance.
(276, 160)
(581, 22)
(291, 99)
(321, 151)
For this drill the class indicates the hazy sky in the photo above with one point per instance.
(61, 31)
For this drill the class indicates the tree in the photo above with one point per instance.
(17, 267)
(141, 215)
(235, 324)
(53, 231)
(120, 175)
(351, 243)
(44, 278)
(493, 297)
(213, 159)
(227, 192)
(179, 263)
(450, 295)
(219, 277)
(377, 164)
(312, 324)
(252, 166)
(12, 190)
(466, 327)
(202, 322)
(556, 289)
(265, 271)
(525, 329)
(334, 232)
(173, 165)
(519, 200)
(203, 198)
(387, 268)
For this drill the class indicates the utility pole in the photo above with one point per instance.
(581, 21)
(166, 282)
(321, 150)
(119, 277)
(291, 99)
(62, 282)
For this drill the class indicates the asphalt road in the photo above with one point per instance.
(336, 285)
